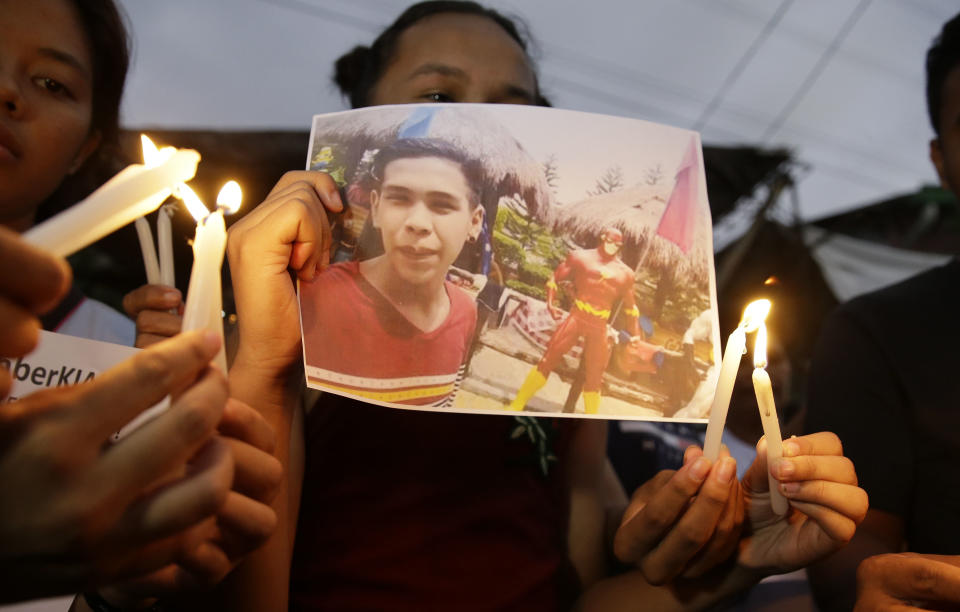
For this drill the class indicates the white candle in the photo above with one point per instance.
(150, 263)
(133, 193)
(736, 344)
(768, 416)
(204, 305)
(754, 313)
(204, 292)
(165, 244)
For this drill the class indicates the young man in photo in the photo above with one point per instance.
(391, 328)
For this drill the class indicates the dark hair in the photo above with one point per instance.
(110, 52)
(106, 33)
(942, 58)
(357, 71)
(406, 148)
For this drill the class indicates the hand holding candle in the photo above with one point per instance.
(768, 415)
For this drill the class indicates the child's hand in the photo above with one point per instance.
(157, 311)
(826, 504)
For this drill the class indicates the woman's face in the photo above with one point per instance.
(453, 57)
(46, 76)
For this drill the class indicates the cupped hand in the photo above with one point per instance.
(157, 311)
(684, 522)
(243, 523)
(288, 231)
(76, 512)
(826, 505)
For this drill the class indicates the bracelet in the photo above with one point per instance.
(98, 604)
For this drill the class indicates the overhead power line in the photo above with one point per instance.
(741, 65)
(817, 69)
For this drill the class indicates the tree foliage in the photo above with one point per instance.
(611, 180)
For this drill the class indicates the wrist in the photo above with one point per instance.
(264, 384)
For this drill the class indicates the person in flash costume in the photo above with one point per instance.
(599, 278)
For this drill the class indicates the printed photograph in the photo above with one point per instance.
(514, 260)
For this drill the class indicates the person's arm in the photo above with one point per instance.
(288, 231)
(630, 310)
(908, 581)
(560, 274)
(592, 494)
(879, 533)
(853, 392)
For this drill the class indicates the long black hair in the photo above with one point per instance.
(105, 30)
(356, 72)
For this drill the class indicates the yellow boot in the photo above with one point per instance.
(534, 381)
(591, 402)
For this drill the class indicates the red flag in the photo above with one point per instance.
(680, 215)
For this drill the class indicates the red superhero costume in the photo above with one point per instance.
(356, 343)
(599, 279)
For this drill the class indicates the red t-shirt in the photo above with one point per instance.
(357, 343)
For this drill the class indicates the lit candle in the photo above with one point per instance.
(204, 298)
(768, 415)
(754, 314)
(165, 245)
(135, 191)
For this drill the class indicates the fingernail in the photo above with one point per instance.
(790, 488)
(726, 470)
(699, 469)
(171, 295)
(784, 468)
(336, 199)
(790, 448)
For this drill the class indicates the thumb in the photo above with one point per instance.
(755, 480)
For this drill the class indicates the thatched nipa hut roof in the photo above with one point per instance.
(635, 211)
(632, 210)
(510, 170)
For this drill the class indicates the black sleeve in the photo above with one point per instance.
(854, 392)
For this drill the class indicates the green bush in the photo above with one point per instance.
(507, 250)
(534, 273)
(531, 290)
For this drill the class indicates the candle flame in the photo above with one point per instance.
(152, 156)
(755, 314)
(150, 153)
(192, 201)
(771, 280)
(760, 347)
(230, 197)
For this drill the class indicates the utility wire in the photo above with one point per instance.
(318, 10)
(817, 70)
(741, 65)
